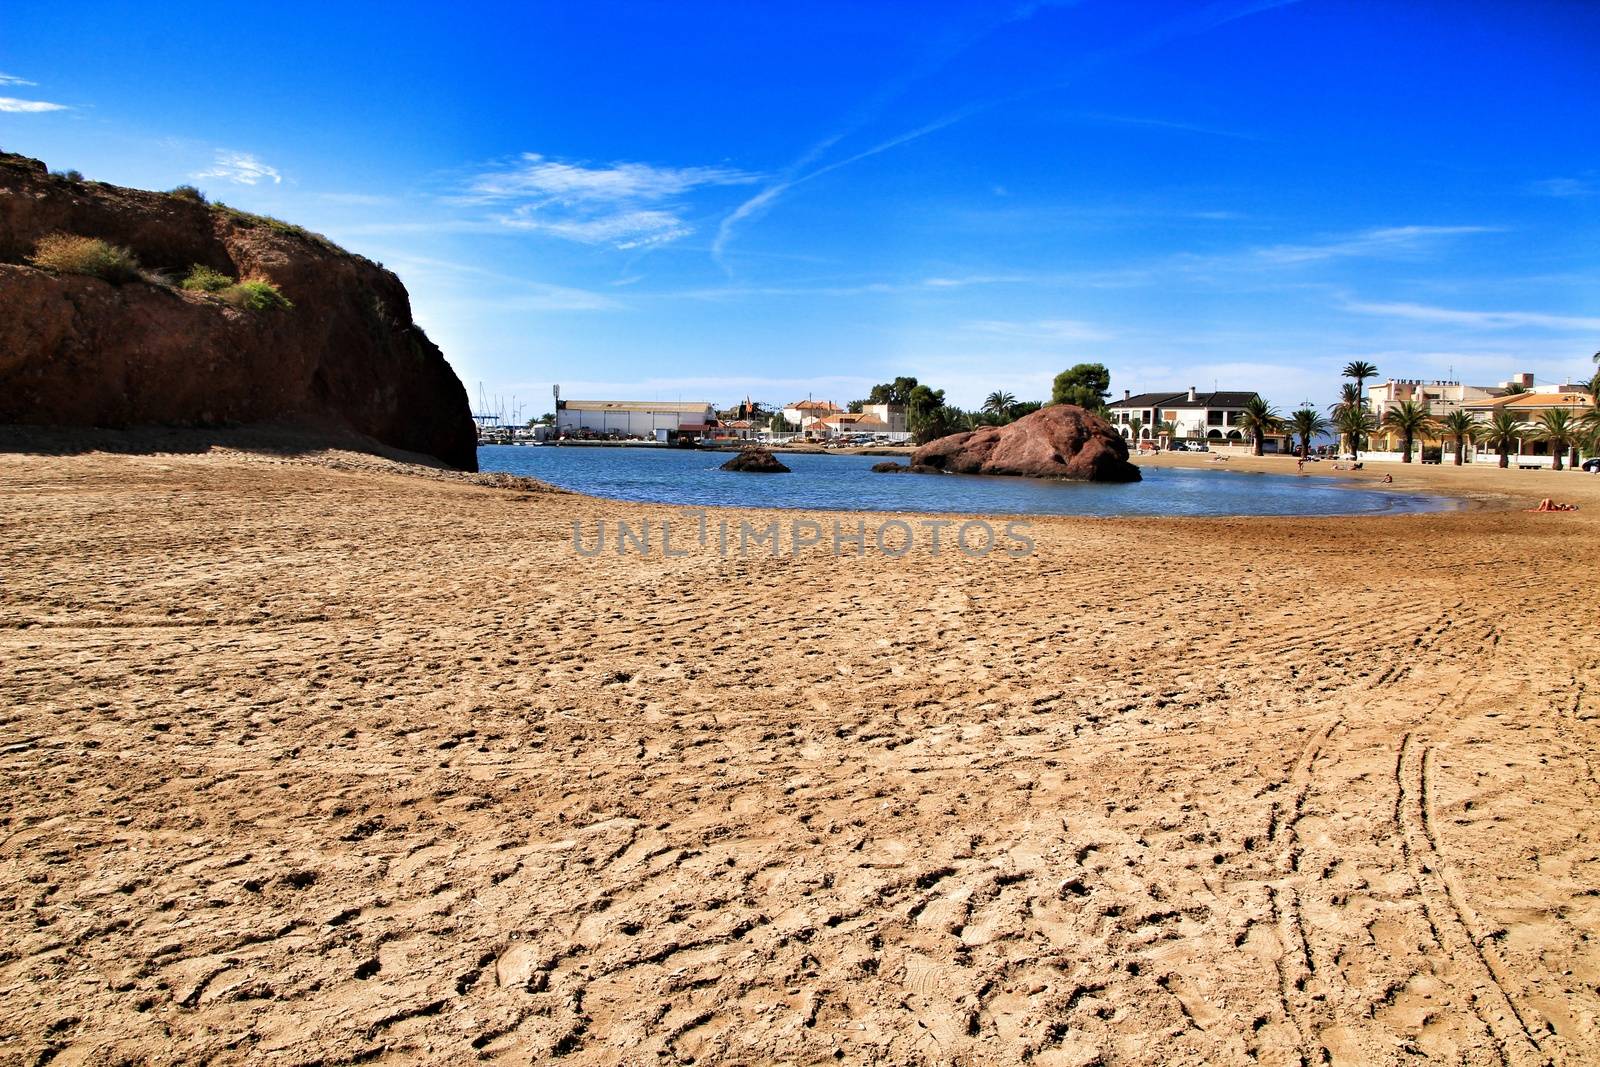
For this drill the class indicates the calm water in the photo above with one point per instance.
(846, 483)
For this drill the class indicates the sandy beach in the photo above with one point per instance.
(317, 758)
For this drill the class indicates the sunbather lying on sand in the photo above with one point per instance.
(1551, 505)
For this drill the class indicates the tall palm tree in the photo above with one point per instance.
(1460, 427)
(1260, 421)
(1349, 396)
(1561, 430)
(1360, 370)
(1306, 424)
(1167, 429)
(1504, 432)
(999, 403)
(1134, 426)
(1408, 419)
(1355, 423)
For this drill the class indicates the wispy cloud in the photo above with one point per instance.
(516, 292)
(1383, 241)
(27, 107)
(242, 168)
(1566, 188)
(1068, 330)
(357, 199)
(12, 79)
(625, 205)
(1487, 320)
(1208, 18)
(1167, 124)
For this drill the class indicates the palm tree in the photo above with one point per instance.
(1306, 424)
(1355, 423)
(1460, 427)
(1560, 429)
(1259, 421)
(1504, 432)
(1408, 419)
(1167, 429)
(1591, 418)
(1134, 426)
(1349, 396)
(999, 403)
(1360, 370)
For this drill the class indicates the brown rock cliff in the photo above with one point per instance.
(78, 351)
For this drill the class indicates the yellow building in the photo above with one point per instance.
(1529, 408)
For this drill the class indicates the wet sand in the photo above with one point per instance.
(314, 759)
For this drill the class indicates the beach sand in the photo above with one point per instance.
(314, 759)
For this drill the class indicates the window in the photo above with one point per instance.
(1213, 418)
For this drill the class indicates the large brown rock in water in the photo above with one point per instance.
(1060, 441)
(78, 351)
(756, 461)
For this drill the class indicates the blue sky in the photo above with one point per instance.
(708, 200)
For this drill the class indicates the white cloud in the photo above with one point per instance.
(569, 183)
(240, 167)
(1489, 320)
(12, 79)
(514, 292)
(1383, 241)
(15, 106)
(1566, 188)
(625, 205)
(622, 229)
(1042, 330)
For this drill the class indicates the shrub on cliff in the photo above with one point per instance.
(257, 296)
(187, 192)
(250, 221)
(203, 279)
(67, 253)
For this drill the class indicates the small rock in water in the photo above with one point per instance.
(756, 461)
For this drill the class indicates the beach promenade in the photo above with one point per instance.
(319, 759)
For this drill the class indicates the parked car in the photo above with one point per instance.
(1592, 464)
(1197, 446)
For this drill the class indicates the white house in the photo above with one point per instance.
(632, 418)
(1195, 415)
(802, 411)
(891, 415)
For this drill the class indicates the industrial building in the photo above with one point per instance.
(647, 419)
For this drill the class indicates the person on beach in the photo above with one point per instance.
(1388, 479)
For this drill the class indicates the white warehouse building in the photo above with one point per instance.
(632, 418)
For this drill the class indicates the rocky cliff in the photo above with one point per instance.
(1059, 441)
(76, 350)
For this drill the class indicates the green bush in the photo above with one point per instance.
(203, 279)
(67, 175)
(257, 296)
(187, 192)
(67, 253)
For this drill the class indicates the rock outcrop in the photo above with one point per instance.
(79, 351)
(756, 461)
(1060, 441)
(891, 467)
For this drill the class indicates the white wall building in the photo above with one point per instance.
(632, 418)
(891, 415)
(1212, 417)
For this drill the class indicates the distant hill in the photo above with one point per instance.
(120, 308)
